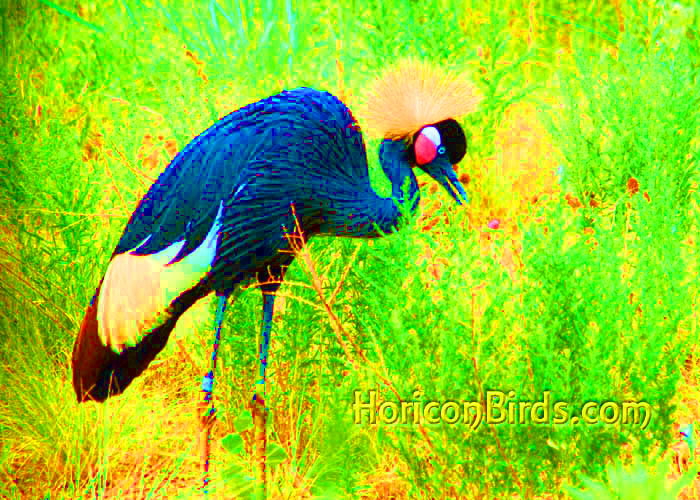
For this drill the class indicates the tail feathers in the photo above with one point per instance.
(99, 372)
(90, 356)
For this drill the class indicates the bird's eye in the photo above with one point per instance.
(441, 150)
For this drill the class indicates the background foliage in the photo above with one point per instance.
(572, 270)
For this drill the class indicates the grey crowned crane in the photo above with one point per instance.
(220, 214)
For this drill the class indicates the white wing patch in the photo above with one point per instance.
(138, 289)
(239, 189)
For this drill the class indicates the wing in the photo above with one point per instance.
(220, 210)
(156, 270)
(296, 140)
(182, 204)
(253, 230)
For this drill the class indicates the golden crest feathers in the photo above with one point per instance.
(414, 94)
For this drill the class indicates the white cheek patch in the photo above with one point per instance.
(432, 134)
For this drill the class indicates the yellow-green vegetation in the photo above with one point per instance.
(572, 272)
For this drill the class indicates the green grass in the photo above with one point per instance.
(587, 289)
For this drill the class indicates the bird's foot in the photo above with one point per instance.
(206, 413)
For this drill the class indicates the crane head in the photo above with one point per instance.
(435, 149)
(417, 101)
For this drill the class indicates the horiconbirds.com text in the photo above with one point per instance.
(499, 407)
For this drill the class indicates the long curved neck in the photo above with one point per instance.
(392, 157)
(357, 217)
(384, 212)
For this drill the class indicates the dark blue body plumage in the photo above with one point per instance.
(301, 146)
(225, 204)
(221, 212)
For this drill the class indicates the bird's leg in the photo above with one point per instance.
(259, 408)
(269, 291)
(207, 415)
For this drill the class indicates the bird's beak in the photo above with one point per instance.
(442, 171)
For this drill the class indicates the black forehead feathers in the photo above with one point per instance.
(453, 139)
